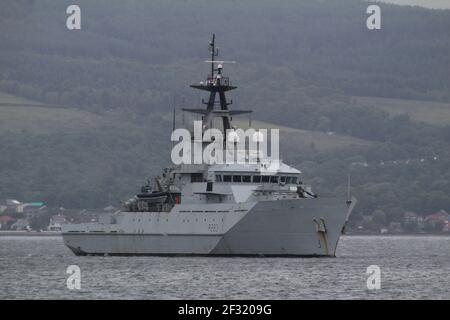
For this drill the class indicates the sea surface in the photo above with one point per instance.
(412, 267)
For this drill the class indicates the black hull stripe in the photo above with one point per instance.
(141, 234)
(205, 255)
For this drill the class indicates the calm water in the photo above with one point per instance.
(411, 267)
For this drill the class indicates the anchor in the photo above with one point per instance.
(321, 230)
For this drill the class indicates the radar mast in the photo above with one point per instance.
(217, 84)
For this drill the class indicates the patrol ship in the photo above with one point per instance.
(231, 209)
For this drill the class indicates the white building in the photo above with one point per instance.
(56, 222)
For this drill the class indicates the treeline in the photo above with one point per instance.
(84, 168)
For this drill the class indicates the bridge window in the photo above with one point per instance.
(196, 177)
(237, 178)
(256, 179)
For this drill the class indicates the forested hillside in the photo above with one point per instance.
(309, 66)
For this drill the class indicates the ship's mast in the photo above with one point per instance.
(216, 83)
(212, 47)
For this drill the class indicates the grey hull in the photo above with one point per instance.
(306, 227)
(287, 228)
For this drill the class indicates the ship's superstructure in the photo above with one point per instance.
(228, 209)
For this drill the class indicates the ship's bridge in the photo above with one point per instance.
(254, 173)
(269, 168)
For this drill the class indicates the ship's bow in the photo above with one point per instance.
(297, 227)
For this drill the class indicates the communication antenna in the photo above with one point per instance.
(348, 188)
(214, 53)
(173, 124)
(182, 114)
(173, 119)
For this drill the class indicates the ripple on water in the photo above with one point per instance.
(411, 268)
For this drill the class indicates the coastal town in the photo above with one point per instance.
(37, 217)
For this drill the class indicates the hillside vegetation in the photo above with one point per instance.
(430, 112)
(77, 157)
(294, 140)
